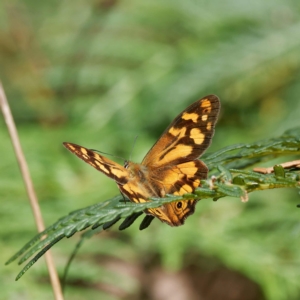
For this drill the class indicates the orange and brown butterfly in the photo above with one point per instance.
(170, 167)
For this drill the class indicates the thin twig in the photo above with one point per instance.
(29, 188)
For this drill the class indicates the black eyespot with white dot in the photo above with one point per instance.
(179, 204)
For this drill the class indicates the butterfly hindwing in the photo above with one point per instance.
(178, 180)
(174, 213)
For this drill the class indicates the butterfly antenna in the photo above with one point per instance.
(134, 142)
(101, 152)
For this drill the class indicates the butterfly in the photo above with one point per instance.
(170, 167)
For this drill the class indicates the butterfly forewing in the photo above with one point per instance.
(188, 136)
(99, 162)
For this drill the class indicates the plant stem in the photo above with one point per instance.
(29, 188)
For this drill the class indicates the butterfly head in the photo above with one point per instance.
(126, 164)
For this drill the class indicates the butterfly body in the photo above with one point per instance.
(170, 167)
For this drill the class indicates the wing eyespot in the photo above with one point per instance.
(179, 204)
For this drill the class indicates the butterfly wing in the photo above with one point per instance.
(188, 136)
(178, 180)
(101, 163)
(173, 161)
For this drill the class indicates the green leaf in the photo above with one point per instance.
(245, 155)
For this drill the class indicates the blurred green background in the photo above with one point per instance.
(101, 72)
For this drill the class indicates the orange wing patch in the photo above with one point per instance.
(192, 116)
(206, 104)
(197, 136)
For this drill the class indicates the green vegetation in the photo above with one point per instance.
(230, 182)
(98, 74)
